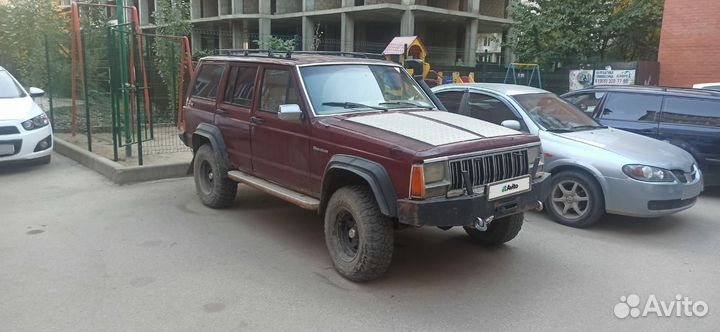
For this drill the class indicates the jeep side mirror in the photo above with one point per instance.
(35, 92)
(290, 112)
(512, 124)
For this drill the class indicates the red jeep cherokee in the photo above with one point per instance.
(362, 143)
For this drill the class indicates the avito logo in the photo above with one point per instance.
(509, 187)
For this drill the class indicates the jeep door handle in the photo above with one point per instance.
(257, 120)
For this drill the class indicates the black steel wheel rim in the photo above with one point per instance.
(206, 177)
(348, 235)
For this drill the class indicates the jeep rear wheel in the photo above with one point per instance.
(499, 231)
(359, 238)
(212, 184)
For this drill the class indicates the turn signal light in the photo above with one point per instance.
(417, 182)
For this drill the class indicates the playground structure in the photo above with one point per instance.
(517, 71)
(128, 82)
(412, 54)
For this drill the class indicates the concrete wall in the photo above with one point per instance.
(287, 6)
(251, 7)
(374, 2)
(495, 8)
(327, 4)
(688, 42)
(209, 8)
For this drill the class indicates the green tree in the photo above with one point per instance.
(23, 27)
(172, 18)
(550, 32)
(276, 43)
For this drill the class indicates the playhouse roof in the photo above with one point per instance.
(397, 45)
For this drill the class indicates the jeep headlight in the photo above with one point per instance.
(533, 153)
(429, 179)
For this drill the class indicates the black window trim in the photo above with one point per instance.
(608, 93)
(499, 97)
(662, 110)
(238, 65)
(220, 83)
(266, 67)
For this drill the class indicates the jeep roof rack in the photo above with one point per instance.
(288, 54)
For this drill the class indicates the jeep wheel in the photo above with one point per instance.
(499, 231)
(359, 238)
(212, 184)
(575, 199)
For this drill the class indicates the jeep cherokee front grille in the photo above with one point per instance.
(489, 168)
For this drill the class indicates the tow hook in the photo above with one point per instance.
(539, 206)
(482, 225)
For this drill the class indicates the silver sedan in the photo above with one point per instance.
(595, 169)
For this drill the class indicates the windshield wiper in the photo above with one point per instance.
(559, 130)
(407, 102)
(349, 104)
(576, 128)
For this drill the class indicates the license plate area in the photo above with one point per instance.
(7, 149)
(508, 188)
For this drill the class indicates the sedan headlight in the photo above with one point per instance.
(36, 122)
(648, 173)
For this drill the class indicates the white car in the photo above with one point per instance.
(25, 131)
(710, 86)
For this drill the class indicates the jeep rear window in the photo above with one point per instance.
(371, 85)
(208, 81)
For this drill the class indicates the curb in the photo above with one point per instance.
(118, 173)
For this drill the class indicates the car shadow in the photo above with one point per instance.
(424, 256)
(711, 191)
(638, 226)
(17, 168)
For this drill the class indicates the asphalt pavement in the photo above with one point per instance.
(78, 253)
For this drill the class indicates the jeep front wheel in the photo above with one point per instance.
(212, 184)
(359, 238)
(499, 231)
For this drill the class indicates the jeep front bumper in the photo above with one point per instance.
(464, 210)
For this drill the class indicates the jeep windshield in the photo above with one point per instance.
(351, 88)
(554, 114)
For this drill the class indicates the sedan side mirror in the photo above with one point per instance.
(290, 112)
(35, 92)
(512, 124)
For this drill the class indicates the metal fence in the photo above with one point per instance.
(109, 114)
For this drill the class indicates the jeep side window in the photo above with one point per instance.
(278, 87)
(490, 109)
(240, 86)
(586, 102)
(208, 81)
(451, 100)
(631, 107)
(698, 112)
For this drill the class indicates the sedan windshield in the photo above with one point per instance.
(8, 87)
(554, 114)
(360, 88)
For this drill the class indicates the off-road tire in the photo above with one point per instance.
(595, 208)
(499, 231)
(212, 184)
(374, 244)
